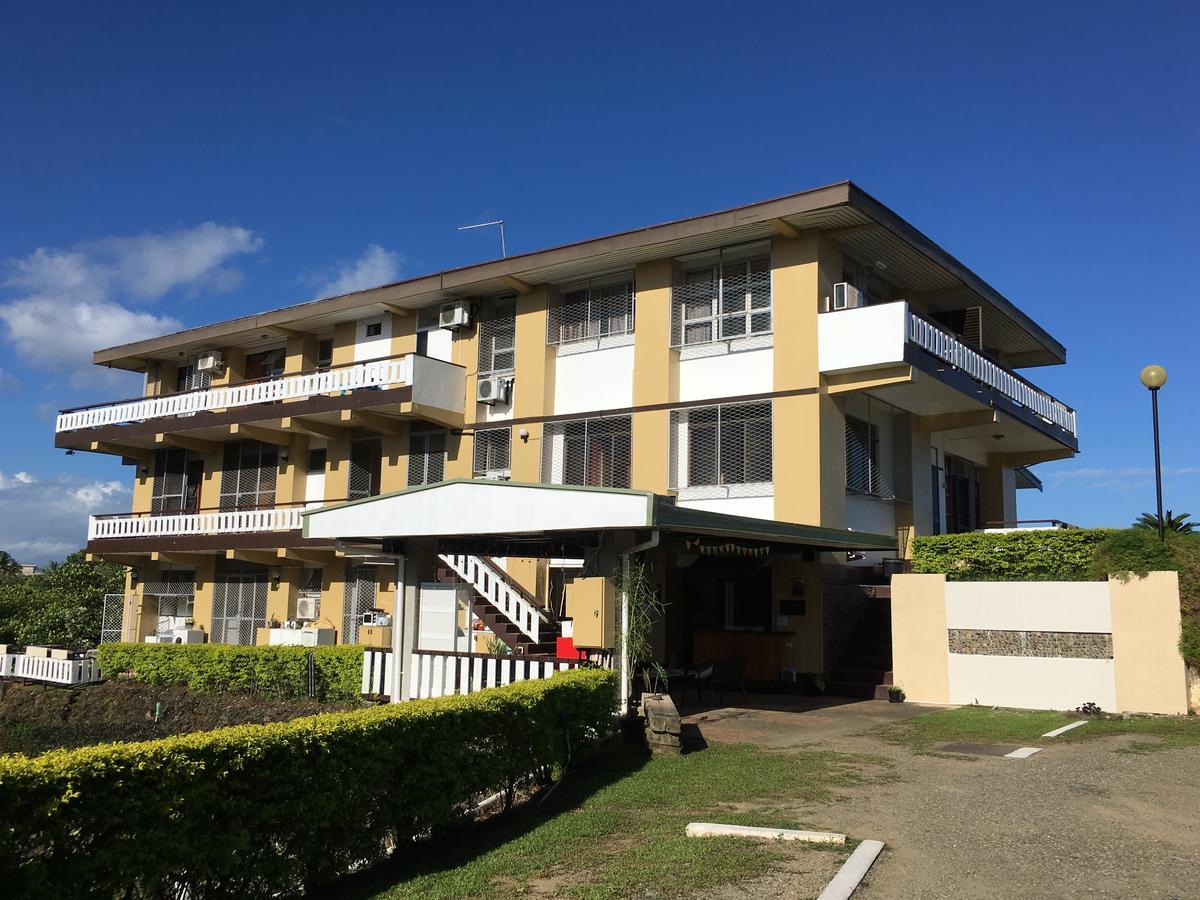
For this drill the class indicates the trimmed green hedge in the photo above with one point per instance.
(1043, 555)
(258, 810)
(271, 671)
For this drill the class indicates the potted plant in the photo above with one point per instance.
(895, 694)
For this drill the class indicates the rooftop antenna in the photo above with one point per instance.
(500, 222)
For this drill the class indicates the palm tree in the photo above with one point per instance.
(1171, 522)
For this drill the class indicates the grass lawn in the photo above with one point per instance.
(616, 826)
(983, 724)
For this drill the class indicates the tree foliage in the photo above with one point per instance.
(1180, 524)
(8, 565)
(60, 605)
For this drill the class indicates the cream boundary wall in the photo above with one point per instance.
(1146, 673)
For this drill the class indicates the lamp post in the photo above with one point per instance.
(1154, 377)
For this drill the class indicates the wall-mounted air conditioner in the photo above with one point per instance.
(847, 296)
(212, 362)
(306, 608)
(492, 389)
(455, 314)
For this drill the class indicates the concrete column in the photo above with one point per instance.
(1148, 669)
(417, 556)
(920, 645)
(655, 375)
(997, 491)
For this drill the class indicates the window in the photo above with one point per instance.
(366, 467)
(594, 452)
(187, 378)
(248, 475)
(239, 603)
(862, 457)
(721, 298)
(316, 461)
(498, 336)
(492, 451)
(267, 364)
(593, 310)
(426, 457)
(722, 446)
(324, 353)
(178, 478)
(374, 329)
(359, 597)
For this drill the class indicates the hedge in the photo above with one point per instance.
(259, 810)
(1042, 555)
(271, 671)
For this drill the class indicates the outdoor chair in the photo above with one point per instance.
(724, 673)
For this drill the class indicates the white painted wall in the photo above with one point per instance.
(440, 344)
(314, 482)
(1081, 606)
(852, 339)
(1032, 682)
(873, 516)
(725, 375)
(437, 383)
(374, 347)
(755, 507)
(595, 380)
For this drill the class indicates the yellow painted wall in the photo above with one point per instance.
(1149, 671)
(591, 604)
(804, 650)
(920, 654)
(655, 375)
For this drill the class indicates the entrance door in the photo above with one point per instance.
(239, 604)
(193, 478)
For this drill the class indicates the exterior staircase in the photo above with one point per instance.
(509, 610)
(864, 668)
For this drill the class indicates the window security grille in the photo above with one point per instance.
(170, 482)
(426, 457)
(722, 451)
(498, 336)
(188, 379)
(112, 616)
(248, 475)
(593, 310)
(366, 467)
(175, 591)
(870, 448)
(594, 452)
(493, 451)
(358, 599)
(239, 604)
(729, 299)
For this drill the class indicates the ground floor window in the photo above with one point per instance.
(239, 603)
(493, 452)
(717, 447)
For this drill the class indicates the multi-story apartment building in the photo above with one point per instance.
(812, 360)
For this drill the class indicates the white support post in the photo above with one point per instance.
(399, 662)
(626, 683)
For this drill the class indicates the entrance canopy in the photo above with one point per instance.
(502, 518)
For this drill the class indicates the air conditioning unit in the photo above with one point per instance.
(847, 296)
(212, 362)
(454, 314)
(492, 389)
(306, 607)
(497, 475)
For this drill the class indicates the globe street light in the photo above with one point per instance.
(1154, 377)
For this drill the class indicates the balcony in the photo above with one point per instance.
(890, 335)
(205, 530)
(413, 386)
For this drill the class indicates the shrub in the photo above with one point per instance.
(1041, 555)
(61, 605)
(258, 810)
(1189, 640)
(272, 671)
(1128, 551)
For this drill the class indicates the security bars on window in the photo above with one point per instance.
(722, 451)
(725, 301)
(593, 452)
(492, 451)
(359, 597)
(497, 336)
(870, 448)
(591, 311)
(426, 457)
(239, 606)
(248, 474)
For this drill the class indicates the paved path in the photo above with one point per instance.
(1077, 820)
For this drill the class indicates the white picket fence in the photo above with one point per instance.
(492, 583)
(52, 671)
(228, 522)
(439, 673)
(376, 373)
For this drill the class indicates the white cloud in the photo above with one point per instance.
(72, 302)
(374, 267)
(43, 520)
(1116, 478)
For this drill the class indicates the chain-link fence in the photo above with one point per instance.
(597, 309)
(594, 452)
(722, 451)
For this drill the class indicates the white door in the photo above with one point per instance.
(437, 626)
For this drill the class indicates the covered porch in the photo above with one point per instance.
(734, 587)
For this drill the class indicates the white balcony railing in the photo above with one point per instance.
(873, 336)
(217, 522)
(377, 373)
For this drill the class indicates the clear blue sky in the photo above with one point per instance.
(162, 163)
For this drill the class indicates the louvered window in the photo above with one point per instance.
(862, 457)
(594, 452)
(594, 310)
(248, 475)
(721, 299)
(493, 451)
(715, 448)
(187, 378)
(366, 468)
(498, 336)
(426, 457)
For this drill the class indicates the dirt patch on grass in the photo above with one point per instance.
(36, 718)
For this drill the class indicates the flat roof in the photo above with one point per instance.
(843, 211)
(464, 508)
